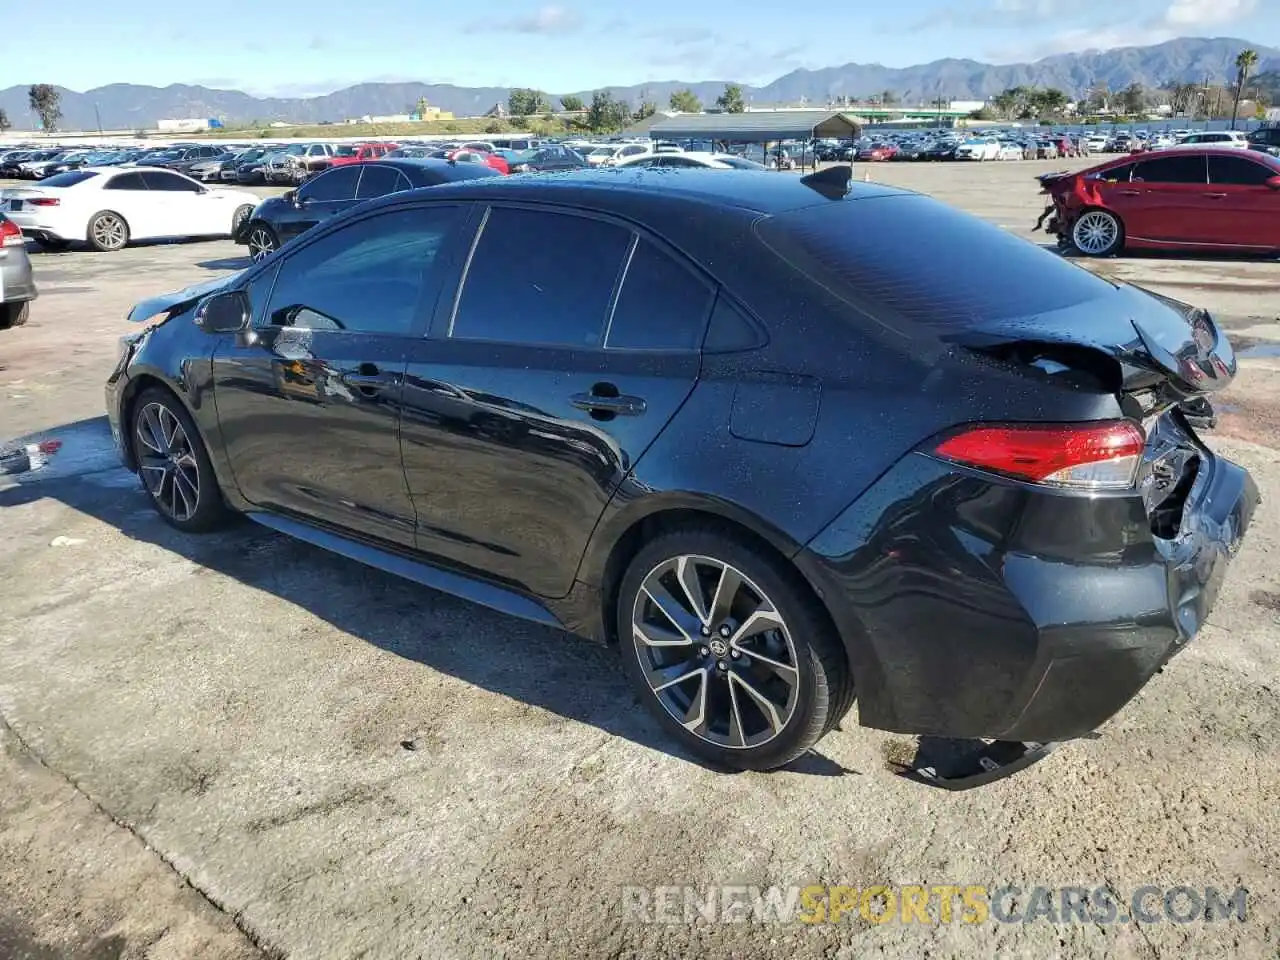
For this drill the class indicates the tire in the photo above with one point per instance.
(53, 244)
(1097, 233)
(173, 465)
(793, 661)
(108, 232)
(262, 241)
(14, 314)
(243, 213)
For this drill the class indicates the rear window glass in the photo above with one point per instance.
(68, 179)
(914, 259)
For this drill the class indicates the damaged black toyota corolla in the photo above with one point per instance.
(788, 443)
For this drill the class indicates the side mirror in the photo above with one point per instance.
(1274, 183)
(289, 196)
(226, 312)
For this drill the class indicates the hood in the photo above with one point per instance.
(1158, 343)
(180, 299)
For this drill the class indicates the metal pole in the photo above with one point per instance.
(98, 116)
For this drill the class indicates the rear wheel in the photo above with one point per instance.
(243, 213)
(108, 232)
(729, 651)
(1097, 233)
(14, 314)
(262, 241)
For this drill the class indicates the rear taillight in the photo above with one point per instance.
(1083, 456)
(43, 202)
(10, 235)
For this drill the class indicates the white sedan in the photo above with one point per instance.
(689, 158)
(109, 206)
(1010, 151)
(978, 148)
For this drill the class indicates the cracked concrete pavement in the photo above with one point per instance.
(219, 746)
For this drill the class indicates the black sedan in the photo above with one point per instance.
(552, 159)
(280, 219)
(841, 463)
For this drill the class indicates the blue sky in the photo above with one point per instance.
(270, 48)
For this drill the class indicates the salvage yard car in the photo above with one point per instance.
(108, 207)
(17, 284)
(976, 508)
(1184, 198)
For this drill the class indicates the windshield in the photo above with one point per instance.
(866, 252)
(603, 152)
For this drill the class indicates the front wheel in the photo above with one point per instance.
(14, 314)
(243, 213)
(726, 647)
(173, 464)
(262, 241)
(1097, 233)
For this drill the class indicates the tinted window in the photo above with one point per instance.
(68, 179)
(646, 162)
(1240, 171)
(870, 255)
(1117, 174)
(662, 306)
(1182, 169)
(126, 181)
(365, 278)
(378, 181)
(156, 180)
(678, 161)
(540, 278)
(333, 185)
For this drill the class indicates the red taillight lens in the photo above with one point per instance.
(43, 202)
(1087, 456)
(10, 235)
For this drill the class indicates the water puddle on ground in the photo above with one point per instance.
(1268, 349)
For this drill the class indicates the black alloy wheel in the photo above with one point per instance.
(173, 465)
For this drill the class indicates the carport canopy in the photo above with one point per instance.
(758, 126)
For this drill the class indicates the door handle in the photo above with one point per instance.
(367, 378)
(1129, 193)
(605, 402)
(1216, 196)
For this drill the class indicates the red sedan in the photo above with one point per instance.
(878, 151)
(1176, 199)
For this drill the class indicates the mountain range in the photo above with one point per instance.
(128, 106)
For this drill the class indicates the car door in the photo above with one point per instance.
(317, 200)
(128, 195)
(182, 207)
(1245, 212)
(1168, 197)
(309, 403)
(567, 347)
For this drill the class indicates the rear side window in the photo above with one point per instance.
(378, 180)
(68, 179)
(1239, 171)
(127, 181)
(1119, 174)
(918, 260)
(332, 186)
(538, 277)
(662, 305)
(1189, 168)
(157, 180)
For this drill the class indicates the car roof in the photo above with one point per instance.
(761, 192)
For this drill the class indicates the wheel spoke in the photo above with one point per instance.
(687, 574)
(737, 736)
(187, 491)
(654, 635)
(695, 718)
(767, 706)
(726, 592)
(761, 620)
(663, 677)
(671, 609)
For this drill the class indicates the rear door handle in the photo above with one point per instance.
(1216, 196)
(597, 403)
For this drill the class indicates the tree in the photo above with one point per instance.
(46, 103)
(888, 98)
(1054, 100)
(685, 101)
(421, 108)
(1134, 98)
(731, 100)
(607, 115)
(572, 103)
(1099, 98)
(1246, 61)
(1005, 102)
(524, 102)
(4, 122)
(495, 126)
(646, 110)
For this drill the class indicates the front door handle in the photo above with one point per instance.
(368, 379)
(1216, 196)
(1129, 193)
(605, 401)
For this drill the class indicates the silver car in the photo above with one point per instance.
(17, 285)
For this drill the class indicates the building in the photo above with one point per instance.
(192, 125)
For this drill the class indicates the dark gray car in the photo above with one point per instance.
(17, 284)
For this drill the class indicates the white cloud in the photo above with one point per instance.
(1206, 13)
(546, 20)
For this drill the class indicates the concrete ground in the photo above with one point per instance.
(236, 745)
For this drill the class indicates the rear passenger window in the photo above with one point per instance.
(378, 181)
(542, 278)
(1239, 171)
(126, 181)
(662, 305)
